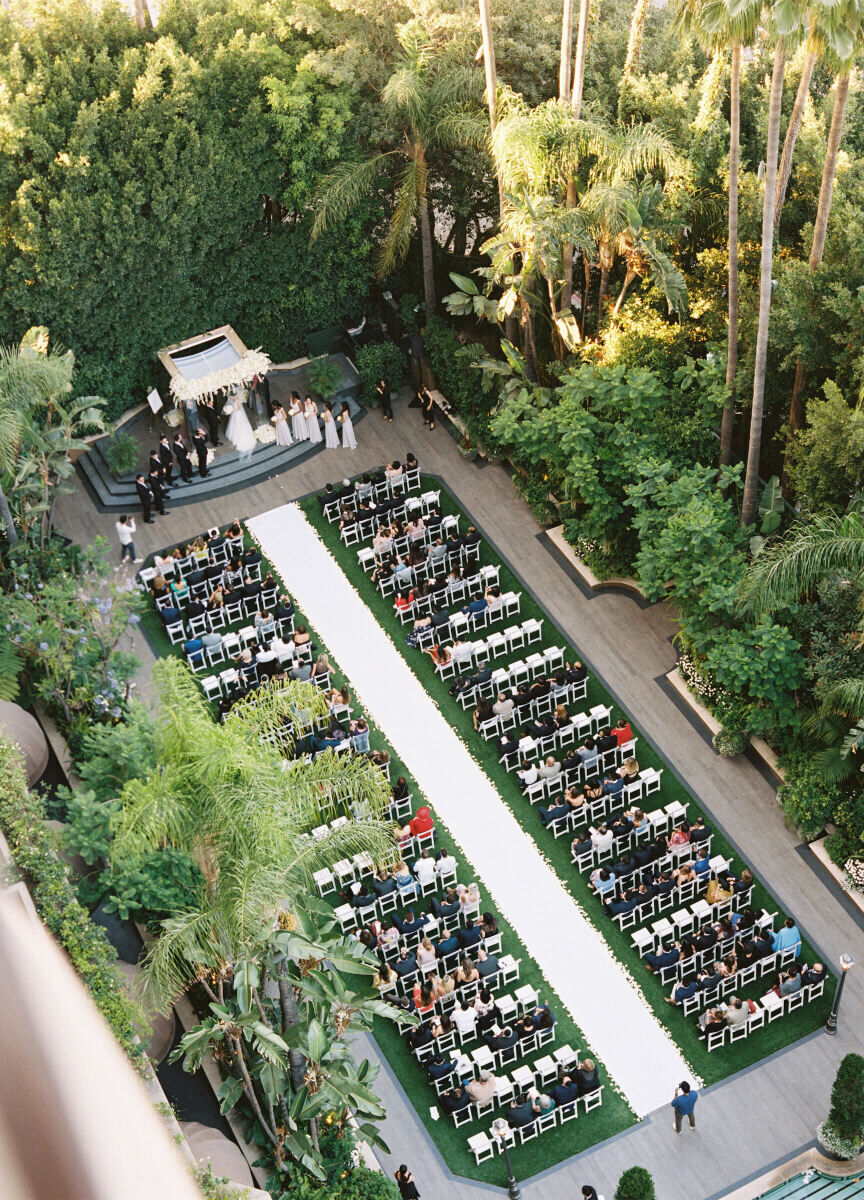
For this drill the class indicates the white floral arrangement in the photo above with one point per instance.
(835, 1144)
(620, 967)
(702, 686)
(854, 869)
(239, 374)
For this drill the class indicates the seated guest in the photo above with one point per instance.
(603, 838)
(448, 907)
(616, 908)
(521, 1112)
(542, 1017)
(683, 990)
(422, 821)
(406, 963)
(680, 835)
(504, 1040)
(503, 706)
(487, 964)
(737, 1012)
(788, 937)
(565, 1091)
(466, 973)
(702, 865)
(588, 750)
(550, 769)
(482, 1091)
(789, 982)
(410, 923)
(603, 881)
(667, 957)
(713, 1020)
(575, 673)
(418, 1037)
(581, 844)
(587, 1077)
(439, 1067)
(445, 863)
(557, 812)
(527, 774)
(424, 868)
(477, 605)
(813, 975)
(470, 934)
(506, 745)
(465, 1019)
(622, 731)
(447, 943)
(606, 741)
(454, 1101)
(424, 1000)
(699, 831)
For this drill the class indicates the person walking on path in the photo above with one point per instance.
(405, 1183)
(200, 443)
(125, 532)
(145, 495)
(683, 1103)
(590, 1193)
(383, 390)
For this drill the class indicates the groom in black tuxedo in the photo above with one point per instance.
(209, 413)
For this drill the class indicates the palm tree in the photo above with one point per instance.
(31, 377)
(634, 47)
(845, 53)
(787, 18)
(715, 26)
(430, 107)
(811, 54)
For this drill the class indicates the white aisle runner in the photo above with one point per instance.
(623, 1032)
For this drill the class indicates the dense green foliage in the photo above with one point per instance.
(635, 1184)
(376, 361)
(843, 1132)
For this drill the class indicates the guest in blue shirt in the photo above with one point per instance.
(683, 1104)
(788, 937)
(702, 864)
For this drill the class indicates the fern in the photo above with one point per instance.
(10, 669)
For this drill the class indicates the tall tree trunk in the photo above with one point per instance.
(290, 1016)
(426, 244)
(565, 82)
(576, 108)
(6, 518)
(750, 502)
(529, 341)
(601, 294)
(820, 230)
(634, 46)
(792, 131)
(628, 279)
(511, 325)
(727, 423)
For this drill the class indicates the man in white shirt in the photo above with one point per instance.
(603, 838)
(527, 775)
(446, 864)
(550, 769)
(125, 528)
(424, 868)
(503, 706)
(465, 1018)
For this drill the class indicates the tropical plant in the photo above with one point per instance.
(112, 754)
(222, 795)
(430, 106)
(635, 1184)
(323, 375)
(121, 452)
(825, 466)
(843, 1130)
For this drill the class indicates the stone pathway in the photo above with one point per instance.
(767, 1113)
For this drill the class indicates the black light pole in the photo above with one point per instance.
(847, 962)
(501, 1129)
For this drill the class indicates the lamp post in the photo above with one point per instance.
(847, 962)
(501, 1129)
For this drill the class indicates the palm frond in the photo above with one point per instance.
(844, 697)
(411, 193)
(406, 95)
(809, 553)
(343, 188)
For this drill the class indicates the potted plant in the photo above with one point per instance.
(121, 452)
(324, 376)
(635, 1184)
(841, 1134)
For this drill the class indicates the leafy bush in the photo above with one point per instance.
(376, 361)
(827, 464)
(323, 375)
(462, 385)
(121, 452)
(730, 742)
(409, 306)
(843, 1131)
(806, 799)
(111, 755)
(635, 1184)
(345, 1179)
(605, 559)
(763, 664)
(22, 820)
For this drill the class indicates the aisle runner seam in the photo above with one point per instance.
(636, 1049)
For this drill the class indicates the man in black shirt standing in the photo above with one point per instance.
(181, 453)
(166, 459)
(145, 495)
(200, 443)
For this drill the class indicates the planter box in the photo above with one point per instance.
(762, 748)
(818, 848)
(557, 538)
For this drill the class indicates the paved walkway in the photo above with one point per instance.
(765, 1114)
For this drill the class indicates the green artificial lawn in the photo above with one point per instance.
(711, 1067)
(614, 1114)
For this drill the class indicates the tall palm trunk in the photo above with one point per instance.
(290, 1017)
(602, 293)
(565, 82)
(820, 230)
(785, 168)
(751, 479)
(628, 279)
(576, 108)
(6, 518)
(634, 46)
(727, 423)
(529, 340)
(425, 234)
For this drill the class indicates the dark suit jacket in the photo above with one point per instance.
(200, 444)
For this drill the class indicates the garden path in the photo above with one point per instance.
(765, 1114)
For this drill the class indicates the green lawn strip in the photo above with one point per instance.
(613, 1115)
(711, 1067)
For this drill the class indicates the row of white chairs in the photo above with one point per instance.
(770, 1008)
(365, 526)
(230, 549)
(469, 653)
(408, 481)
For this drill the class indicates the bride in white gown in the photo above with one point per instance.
(239, 432)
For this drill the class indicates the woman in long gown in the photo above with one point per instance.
(298, 420)
(283, 434)
(331, 437)
(349, 441)
(239, 432)
(311, 410)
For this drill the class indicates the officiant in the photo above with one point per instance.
(209, 413)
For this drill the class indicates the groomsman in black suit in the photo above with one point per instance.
(200, 443)
(210, 414)
(166, 459)
(142, 487)
(182, 455)
(159, 490)
(155, 462)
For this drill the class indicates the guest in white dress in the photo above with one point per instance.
(349, 441)
(331, 437)
(283, 434)
(298, 421)
(311, 410)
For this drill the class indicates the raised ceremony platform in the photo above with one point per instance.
(226, 472)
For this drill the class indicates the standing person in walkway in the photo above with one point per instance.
(166, 459)
(383, 390)
(125, 532)
(181, 453)
(590, 1193)
(427, 407)
(200, 443)
(405, 1183)
(310, 409)
(683, 1104)
(145, 495)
